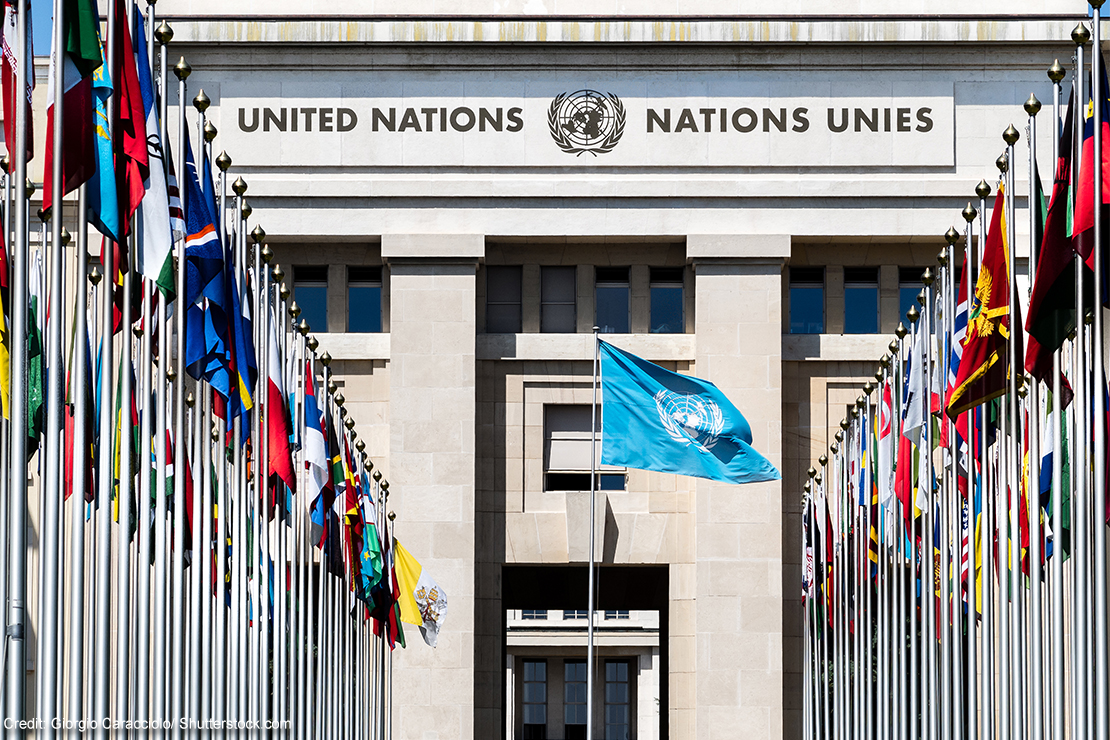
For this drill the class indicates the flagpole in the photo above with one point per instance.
(974, 258)
(590, 598)
(321, 618)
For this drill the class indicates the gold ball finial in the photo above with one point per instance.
(843, 426)
(258, 234)
(1056, 72)
(951, 236)
(266, 253)
(342, 413)
(360, 445)
(29, 188)
(283, 292)
(824, 460)
(137, 329)
(163, 34)
(879, 376)
(392, 515)
(340, 399)
(190, 399)
(367, 461)
(294, 310)
(278, 273)
(868, 388)
(927, 278)
(834, 447)
(901, 332)
(5, 163)
(246, 210)
(884, 361)
(95, 277)
(1032, 105)
(377, 476)
(983, 189)
(812, 471)
(1002, 163)
(210, 131)
(215, 433)
(44, 214)
(942, 258)
(1010, 135)
(65, 237)
(1080, 35)
(313, 344)
(325, 359)
(806, 487)
(350, 423)
(201, 101)
(239, 186)
(861, 401)
(969, 212)
(303, 328)
(913, 315)
(223, 161)
(182, 69)
(921, 297)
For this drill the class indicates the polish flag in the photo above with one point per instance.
(278, 426)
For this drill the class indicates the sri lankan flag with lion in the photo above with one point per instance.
(985, 364)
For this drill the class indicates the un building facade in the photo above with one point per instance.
(745, 192)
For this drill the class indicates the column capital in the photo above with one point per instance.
(433, 247)
(749, 248)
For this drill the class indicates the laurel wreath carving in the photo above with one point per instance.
(570, 147)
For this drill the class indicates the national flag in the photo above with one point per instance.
(984, 367)
(35, 411)
(371, 556)
(278, 426)
(155, 254)
(1084, 219)
(5, 335)
(1055, 427)
(654, 419)
(103, 201)
(80, 58)
(173, 192)
(885, 469)
(243, 365)
(204, 256)
(71, 420)
(129, 127)
(422, 601)
(9, 78)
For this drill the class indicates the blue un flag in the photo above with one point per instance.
(653, 419)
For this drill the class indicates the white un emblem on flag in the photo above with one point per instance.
(690, 419)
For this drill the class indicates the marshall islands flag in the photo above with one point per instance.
(653, 419)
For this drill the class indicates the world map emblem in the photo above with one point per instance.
(586, 121)
(690, 419)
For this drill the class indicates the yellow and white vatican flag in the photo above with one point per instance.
(422, 601)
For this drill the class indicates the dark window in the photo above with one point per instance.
(503, 300)
(909, 285)
(617, 700)
(558, 288)
(534, 614)
(807, 300)
(616, 614)
(574, 698)
(581, 481)
(574, 614)
(861, 300)
(364, 299)
(567, 451)
(535, 700)
(666, 300)
(611, 287)
(310, 291)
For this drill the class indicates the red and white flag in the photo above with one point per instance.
(8, 78)
(885, 467)
(278, 426)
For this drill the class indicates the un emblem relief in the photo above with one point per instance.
(690, 419)
(586, 121)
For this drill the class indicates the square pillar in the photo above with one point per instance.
(432, 466)
(738, 571)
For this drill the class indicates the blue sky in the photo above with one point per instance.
(41, 13)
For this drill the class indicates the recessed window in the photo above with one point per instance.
(611, 287)
(666, 300)
(807, 300)
(574, 614)
(618, 720)
(567, 448)
(861, 300)
(503, 299)
(310, 291)
(616, 614)
(533, 614)
(364, 300)
(535, 700)
(558, 311)
(909, 285)
(574, 699)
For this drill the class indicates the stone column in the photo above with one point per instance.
(738, 570)
(432, 467)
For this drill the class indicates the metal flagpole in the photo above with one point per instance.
(974, 257)
(1033, 507)
(142, 570)
(5, 425)
(104, 489)
(593, 524)
(52, 445)
(972, 678)
(1097, 343)
(176, 689)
